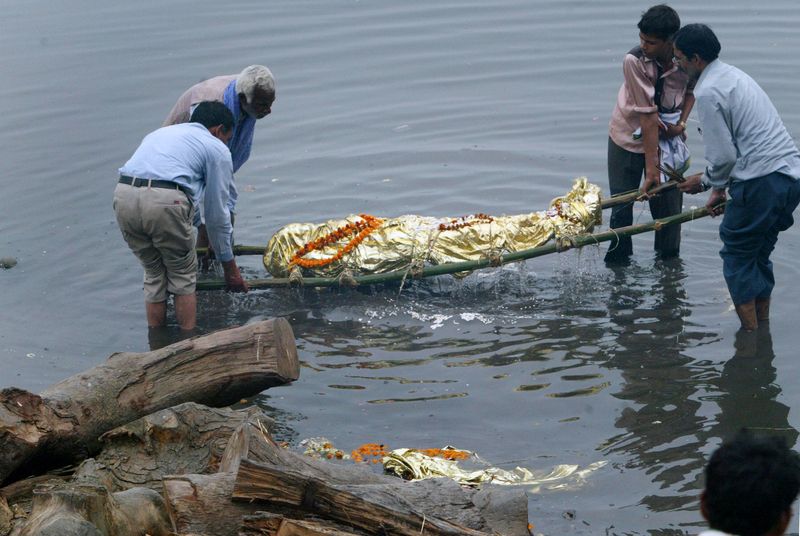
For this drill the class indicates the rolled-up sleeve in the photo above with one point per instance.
(721, 152)
(219, 177)
(640, 89)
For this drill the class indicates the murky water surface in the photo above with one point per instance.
(443, 108)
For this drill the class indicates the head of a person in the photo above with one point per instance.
(656, 28)
(751, 483)
(216, 117)
(695, 46)
(255, 86)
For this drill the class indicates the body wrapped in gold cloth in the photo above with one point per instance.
(411, 242)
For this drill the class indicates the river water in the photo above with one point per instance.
(432, 108)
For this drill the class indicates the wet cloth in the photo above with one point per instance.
(758, 210)
(411, 242)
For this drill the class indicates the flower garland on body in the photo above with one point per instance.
(465, 221)
(361, 229)
(559, 209)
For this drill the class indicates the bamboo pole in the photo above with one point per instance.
(466, 266)
(634, 195)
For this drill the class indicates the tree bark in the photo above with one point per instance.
(264, 523)
(185, 439)
(90, 510)
(64, 423)
(202, 504)
(375, 510)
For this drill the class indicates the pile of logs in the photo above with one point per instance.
(155, 459)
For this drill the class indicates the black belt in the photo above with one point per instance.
(153, 183)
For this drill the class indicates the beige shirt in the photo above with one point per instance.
(636, 96)
(212, 89)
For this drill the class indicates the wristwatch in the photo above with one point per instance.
(682, 124)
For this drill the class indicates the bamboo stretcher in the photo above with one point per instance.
(558, 246)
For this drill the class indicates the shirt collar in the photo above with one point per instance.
(710, 67)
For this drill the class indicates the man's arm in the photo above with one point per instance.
(652, 176)
(219, 175)
(642, 91)
(721, 152)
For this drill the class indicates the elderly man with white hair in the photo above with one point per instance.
(249, 96)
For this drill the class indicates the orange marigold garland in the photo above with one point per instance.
(374, 452)
(560, 210)
(465, 221)
(361, 229)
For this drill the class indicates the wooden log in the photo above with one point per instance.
(252, 441)
(65, 422)
(497, 509)
(6, 517)
(491, 509)
(90, 510)
(264, 523)
(202, 504)
(381, 513)
(188, 438)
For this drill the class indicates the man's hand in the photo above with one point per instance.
(233, 279)
(651, 180)
(692, 185)
(716, 197)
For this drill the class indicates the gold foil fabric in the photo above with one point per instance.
(411, 464)
(411, 242)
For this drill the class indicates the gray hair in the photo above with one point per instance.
(252, 77)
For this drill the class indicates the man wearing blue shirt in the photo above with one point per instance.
(249, 96)
(749, 152)
(155, 203)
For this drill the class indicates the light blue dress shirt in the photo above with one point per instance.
(743, 134)
(189, 155)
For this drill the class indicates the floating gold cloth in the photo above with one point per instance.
(410, 242)
(411, 464)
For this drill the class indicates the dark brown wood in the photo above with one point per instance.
(380, 513)
(90, 510)
(264, 523)
(65, 422)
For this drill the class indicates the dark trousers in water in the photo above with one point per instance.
(625, 170)
(758, 210)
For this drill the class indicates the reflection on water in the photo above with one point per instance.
(746, 392)
(662, 423)
(529, 361)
